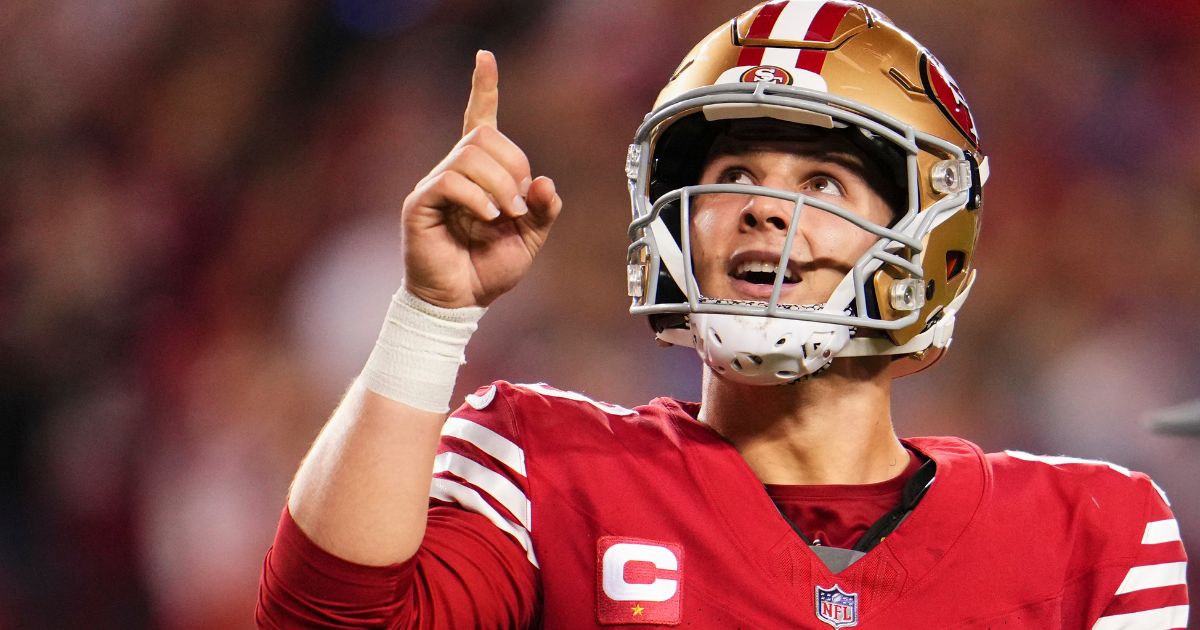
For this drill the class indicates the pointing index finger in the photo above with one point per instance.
(485, 93)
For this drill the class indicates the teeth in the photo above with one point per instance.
(762, 267)
(747, 267)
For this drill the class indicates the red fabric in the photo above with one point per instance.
(467, 575)
(303, 585)
(1145, 553)
(837, 516)
(1000, 540)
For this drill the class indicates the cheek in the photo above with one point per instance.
(703, 221)
(839, 240)
(706, 226)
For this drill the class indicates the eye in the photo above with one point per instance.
(736, 176)
(825, 185)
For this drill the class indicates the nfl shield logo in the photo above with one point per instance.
(837, 607)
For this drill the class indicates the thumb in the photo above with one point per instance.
(544, 202)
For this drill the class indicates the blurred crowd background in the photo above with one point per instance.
(198, 240)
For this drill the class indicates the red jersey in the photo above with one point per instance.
(557, 511)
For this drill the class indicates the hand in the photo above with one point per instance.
(472, 226)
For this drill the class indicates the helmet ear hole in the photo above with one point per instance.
(955, 262)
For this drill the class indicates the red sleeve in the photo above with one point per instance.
(476, 567)
(1153, 589)
(467, 574)
(302, 585)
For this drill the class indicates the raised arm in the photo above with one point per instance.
(471, 229)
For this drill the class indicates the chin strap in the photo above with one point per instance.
(681, 337)
(669, 252)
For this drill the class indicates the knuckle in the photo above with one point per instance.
(445, 182)
(412, 200)
(477, 135)
(469, 150)
(487, 134)
(468, 153)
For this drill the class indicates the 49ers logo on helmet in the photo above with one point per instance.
(944, 91)
(767, 74)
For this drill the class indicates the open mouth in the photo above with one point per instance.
(762, 273)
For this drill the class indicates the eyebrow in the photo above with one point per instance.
(846, 160)
(863, 167)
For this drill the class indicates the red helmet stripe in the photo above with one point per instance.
(764, 22)
(761, 28)
(750, 56)
(823, 26)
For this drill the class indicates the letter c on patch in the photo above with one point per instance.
(617, 556)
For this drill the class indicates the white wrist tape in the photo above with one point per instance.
(416, 358)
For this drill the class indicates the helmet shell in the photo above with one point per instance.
(856, 55)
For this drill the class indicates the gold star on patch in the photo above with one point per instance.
(637, 610)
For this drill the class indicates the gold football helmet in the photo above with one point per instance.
(836, 66)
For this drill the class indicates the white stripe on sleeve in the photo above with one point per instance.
(1162, 493)
(1153, 576)
(1157, 619)
(487, 441)
(448, 490)
(610, 408)
(1059, 460)
(1161, 532)
(498, 486)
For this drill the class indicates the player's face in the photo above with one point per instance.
(737, 239)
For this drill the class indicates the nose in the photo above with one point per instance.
(767, 213)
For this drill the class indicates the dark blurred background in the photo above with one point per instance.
(198, 240)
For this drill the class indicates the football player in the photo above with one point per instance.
(807, 195)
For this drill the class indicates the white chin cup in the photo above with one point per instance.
(765, 350)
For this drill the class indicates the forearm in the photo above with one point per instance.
(470, 231)
(362, 492)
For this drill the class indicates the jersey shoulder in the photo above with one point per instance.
(1066, 476)
(528, 411)
(1098, 504)
(1058, 502)
(485, 459)
(1114, 530)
